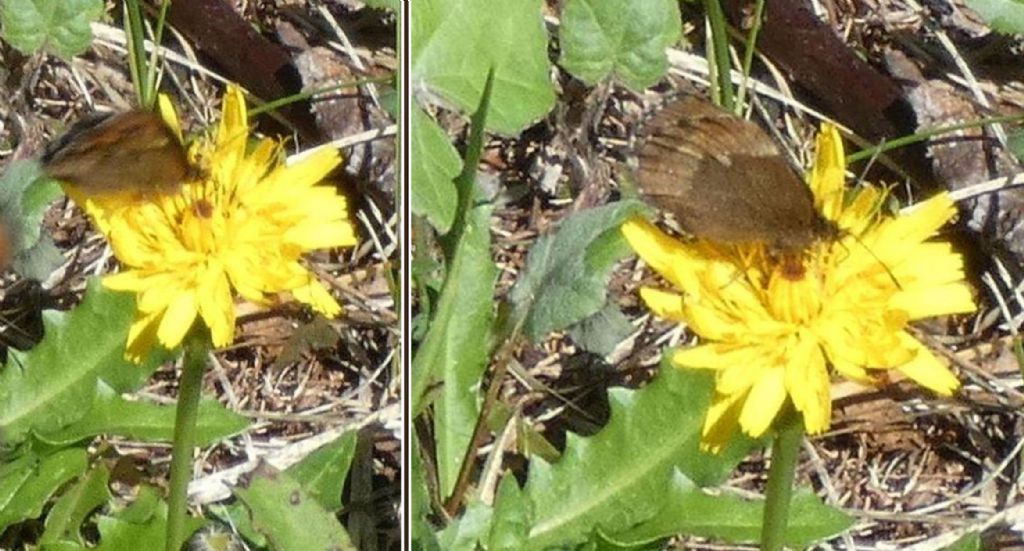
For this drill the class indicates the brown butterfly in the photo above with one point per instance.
(724, 180)
(111, 153)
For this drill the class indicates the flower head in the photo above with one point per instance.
(239, 225)
(772, 337)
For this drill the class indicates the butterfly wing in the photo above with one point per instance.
(116, 152)
(724, 179)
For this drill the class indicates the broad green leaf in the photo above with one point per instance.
(457, 345)
(143, 525)
(145, 421)
(690, 511)
(66, 516)
(25, 195)
(58, 26)
(322, 473)
(434, 164)
(455, 42)
(39, 194)
(39, 261)
(48, 474)
(621, 38)
(1005, 16)
(621, 477)
(566, 274)
(603, 331)
(14, 471)
(467, 529)
(52, 385)
(289, 518)
(513, 515)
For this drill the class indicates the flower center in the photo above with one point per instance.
(200, 218)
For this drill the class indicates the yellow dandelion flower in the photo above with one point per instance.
(772, 337)
(241, 226)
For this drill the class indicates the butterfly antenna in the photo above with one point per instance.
(884, 266)
(871, 162)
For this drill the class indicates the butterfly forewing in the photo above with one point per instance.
(724, 180)
(131, 150)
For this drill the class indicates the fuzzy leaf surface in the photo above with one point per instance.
(455, 43)
(621, 38)
(469, 528)
(25, 195)
(566, 275)
(58, 26)
(600, 333)
(513, 515)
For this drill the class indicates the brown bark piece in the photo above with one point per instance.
(856, 94)
(247, 57)
(345, 112)
(965, 157)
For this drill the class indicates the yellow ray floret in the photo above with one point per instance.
(239, 226)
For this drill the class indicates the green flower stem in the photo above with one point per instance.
(785, 450)
(720, 46)
(197, 345)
